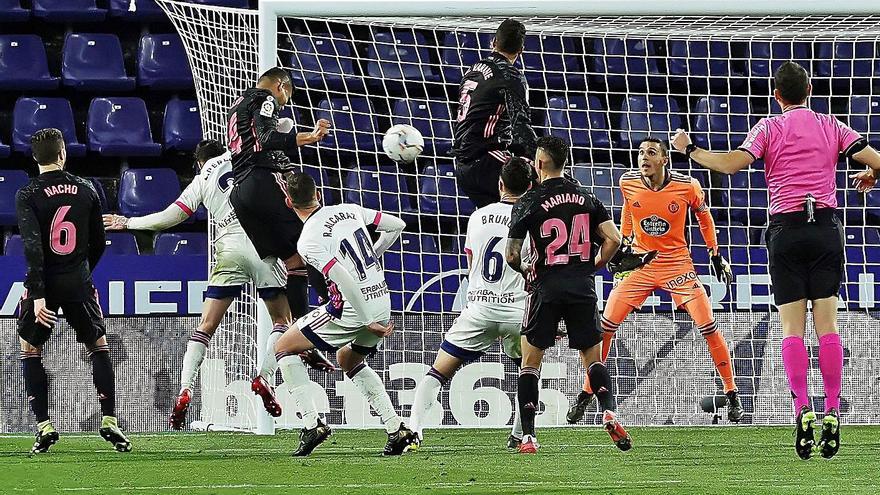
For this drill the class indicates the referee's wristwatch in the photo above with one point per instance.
(689, 149)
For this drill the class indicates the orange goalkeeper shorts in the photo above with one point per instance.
(679, 279)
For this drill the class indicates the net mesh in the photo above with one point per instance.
(602, 83)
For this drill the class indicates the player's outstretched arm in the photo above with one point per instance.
(389, 227)
(174, 214)
(865, 180)
(322, 128)
(611, 240)
(729, 163)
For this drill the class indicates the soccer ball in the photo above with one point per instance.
(403, 143)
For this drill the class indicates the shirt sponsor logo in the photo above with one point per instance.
(683, 279)
(375, 291)
(655, 226)
(487, 296)
(637, 205)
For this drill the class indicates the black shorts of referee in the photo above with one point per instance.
(260, 203)
(806, 258)
(478, 178)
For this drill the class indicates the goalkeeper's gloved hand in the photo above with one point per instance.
(625, 260)
(721, 268)
(619, 276)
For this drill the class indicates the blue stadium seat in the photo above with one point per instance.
(439, 182)
(32, 114)
(10, 182)
(323, 61)
(765, 57)
(431, 118)
(145, 11)
(94, 62)
(13, 246)
(699, 58)
(722, 122)
(643, 116)
(353, 126)
(236, 4)
(11, 11)
(23, 64)
(843, 59)
(120, 127)
(147, 190)
(864, 114)
(579, 119)
(749, 206)
(553, 62)
(623, 63)
(121, 243)
(820, 104)
(872, 236)
(322, 179)
(748, 180)
(459, 51)
(66, 11)
(732, 234)
(162, 63)
(416, 243)
(380, 189)
(181, 244)
(399, 55)
(5, 150)
(182, 128)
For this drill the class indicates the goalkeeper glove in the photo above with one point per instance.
(721, 268)
(625, 260)
(619, 276)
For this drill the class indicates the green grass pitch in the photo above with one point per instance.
(722, 460)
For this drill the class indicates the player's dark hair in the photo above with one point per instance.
(46, 145)
(792, 81)
(301, 189)
(664, 150)
(510, 36)
(556, 148)
(276, 74)
(516, 175)
(207, 149)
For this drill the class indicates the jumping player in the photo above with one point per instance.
(59, 217)
(493, 120)
(563, 221)
(496, 298)
(656, 205)
(335, 241)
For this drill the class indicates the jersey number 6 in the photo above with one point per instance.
(63, 233)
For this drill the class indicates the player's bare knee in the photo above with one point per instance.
(348, 358)
(209, 324)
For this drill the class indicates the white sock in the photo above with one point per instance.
(517, 430)
(372, 388)
(297, 378)
(192, 358)
(270, 364)
(426, 394)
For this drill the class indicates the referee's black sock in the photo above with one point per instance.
(103, 378)
(600, 381)
(36, 383)
(527, 394)
(298, 294)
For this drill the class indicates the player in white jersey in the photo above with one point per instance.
(495, 299)
(335, 241)
(237, 263)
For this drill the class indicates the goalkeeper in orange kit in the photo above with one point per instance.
(655, 213)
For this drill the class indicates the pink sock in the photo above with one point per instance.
(831, 366)
(794, 357)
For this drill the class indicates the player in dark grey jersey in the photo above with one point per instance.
(59, 216)
(566, 224)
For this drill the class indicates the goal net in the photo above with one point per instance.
(603, 83)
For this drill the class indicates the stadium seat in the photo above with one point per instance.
(121, 243)
(23, 64)
(147, 190)
(323, 61)
(181, 243)
(722, 122)
(10, 182)
(145, 11)
(844, 59)
(399, 55)
(643, 116)
(459, 51)
(439, 183)
(623, 63)
(120, 127)
(431, 118)
(416, 243)
(236, 4)
(11, 11)
(182, 128)
(733, 234)
(749, 206)
(162, 63)
(765, 57)
(94, 62)
(578, 119)
(322, 180)
(820, 104)
(864, 114)
(380, 189)
(13, 246)
(32, 114)
(699, 58)
(354, 128)
(5, 150)
(67, 11)
(872, 236)
(553, 62)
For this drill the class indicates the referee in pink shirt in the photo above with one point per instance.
(805, 247)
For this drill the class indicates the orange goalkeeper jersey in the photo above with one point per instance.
(657, 219)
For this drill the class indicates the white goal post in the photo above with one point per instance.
(602, 74)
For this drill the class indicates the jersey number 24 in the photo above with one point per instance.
(578, 242)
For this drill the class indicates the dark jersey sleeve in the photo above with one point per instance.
(522, 135)
(598, 216)
(97, 237)
(265, 118)
(29, 227)
(519, 217)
